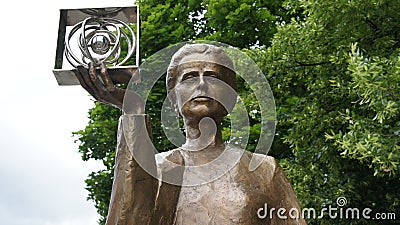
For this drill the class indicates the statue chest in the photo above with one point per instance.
(225, 192)
(222, 201)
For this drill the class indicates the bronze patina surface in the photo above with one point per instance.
(198, 80)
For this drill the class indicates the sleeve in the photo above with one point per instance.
(135, 184)
(284, 198)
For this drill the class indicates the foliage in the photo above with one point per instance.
(229, 21)
(335, 77)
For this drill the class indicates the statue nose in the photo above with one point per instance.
(201, 82)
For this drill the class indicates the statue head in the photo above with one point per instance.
(201, 75)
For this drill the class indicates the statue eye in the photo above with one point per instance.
(211, 74)
(189, 75)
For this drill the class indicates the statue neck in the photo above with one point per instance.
(203, 134)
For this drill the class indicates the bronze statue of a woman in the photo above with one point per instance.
(201, 86)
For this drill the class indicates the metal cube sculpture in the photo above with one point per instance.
(97, 35)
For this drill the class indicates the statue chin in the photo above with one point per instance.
(199, 108)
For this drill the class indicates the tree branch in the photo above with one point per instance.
(307, 64)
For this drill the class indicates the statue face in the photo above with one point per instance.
(204, 89)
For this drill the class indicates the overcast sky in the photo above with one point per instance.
(41, 172)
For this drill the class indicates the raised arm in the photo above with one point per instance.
(134, 190)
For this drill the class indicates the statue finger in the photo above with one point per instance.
(82, 76)
(100, 92)
(106, 78)
(97, 83)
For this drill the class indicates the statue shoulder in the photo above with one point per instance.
(257, 161)
(267, 162)
(265, 167)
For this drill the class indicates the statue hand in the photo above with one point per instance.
(101, 87)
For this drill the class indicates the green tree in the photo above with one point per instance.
(335, 76)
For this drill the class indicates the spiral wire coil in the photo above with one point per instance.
(99, 41)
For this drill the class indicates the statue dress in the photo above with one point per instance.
(233, 198)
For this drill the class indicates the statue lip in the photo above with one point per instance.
(201, 98)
